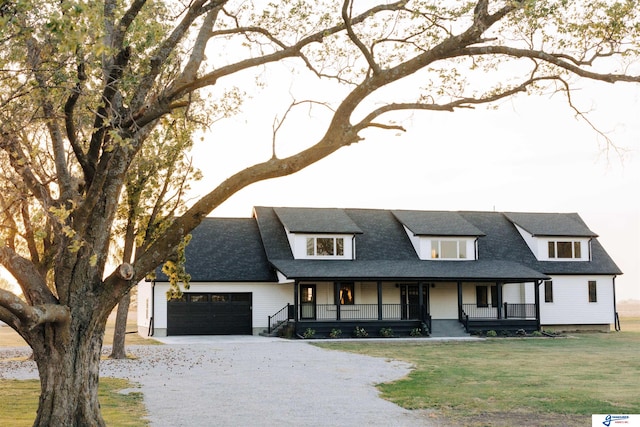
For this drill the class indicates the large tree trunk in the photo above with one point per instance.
(118, 351)
(69, 373)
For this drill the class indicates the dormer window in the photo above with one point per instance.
(448, 249)
(564, 249)
(325, 246)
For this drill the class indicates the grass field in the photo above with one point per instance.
(494, 382)
(19, 402)
(19, 399)
(508, 382)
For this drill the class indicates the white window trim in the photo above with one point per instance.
(469, 255)
(298, 244)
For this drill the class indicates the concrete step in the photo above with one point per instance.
(447, 328)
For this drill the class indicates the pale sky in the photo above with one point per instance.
(531, 154)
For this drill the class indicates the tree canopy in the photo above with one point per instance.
(87, 87)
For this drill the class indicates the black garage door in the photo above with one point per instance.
(210, 314)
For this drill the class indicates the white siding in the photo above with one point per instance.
(514, 293)
(443, 301)
(422, 245)
(364, 292)
(540, 246)
(144, 306)
(267, 298)
(571, 304)
(529, 240)
(298, 244)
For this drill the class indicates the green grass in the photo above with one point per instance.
(541, 380)
(19, 402)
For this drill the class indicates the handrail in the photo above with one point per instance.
(366, 312)
(280, 317)
(508, 311)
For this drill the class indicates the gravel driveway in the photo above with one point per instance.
(240, 381)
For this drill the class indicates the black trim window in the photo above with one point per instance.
(346, 294)
(482, 296)
(593, 291)
(548, 291)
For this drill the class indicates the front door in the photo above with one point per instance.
(307, 301)
(410, 300)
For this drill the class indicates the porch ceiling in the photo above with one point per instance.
(504, 271)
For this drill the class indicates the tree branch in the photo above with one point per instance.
(560, 61)
(346, 18)
(21, 165)
(25, 272)
(32, 316)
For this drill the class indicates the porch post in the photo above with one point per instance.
(421, 301)
(537, 301)
(460, 301)
(499, 297)
(336, 298)
(379, 300)
(295, 307)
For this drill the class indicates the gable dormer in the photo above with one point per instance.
(554, 236)
(319, 233)
(440, 235)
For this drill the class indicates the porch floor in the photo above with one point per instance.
(445, 328)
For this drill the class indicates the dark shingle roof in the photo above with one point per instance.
(551, 224)
(503, 241)
(226, 250)
(436, 223)
(309, 220)
(506, 271)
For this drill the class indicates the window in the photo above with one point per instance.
(564, 250)
(482, 296)
(448, 249)
(325, 246)
(346, 294)
(548, 291)
(198, 298)
(593, 291)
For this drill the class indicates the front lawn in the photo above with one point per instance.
(507, 381)
(19, 402)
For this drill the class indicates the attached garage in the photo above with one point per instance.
(210, 314)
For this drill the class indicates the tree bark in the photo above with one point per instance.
(69, 373)
(119, 335)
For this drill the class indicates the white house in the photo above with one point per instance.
(406, 270)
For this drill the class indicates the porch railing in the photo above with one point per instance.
(507, 311)
(361, 312)
(280, 317)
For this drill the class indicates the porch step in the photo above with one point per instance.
(445, 328)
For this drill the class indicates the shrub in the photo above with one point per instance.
(416, 332)
(386, 332)
(309, 333)
(335, 333)
(492, 333)
(360, 332)
(536, 334)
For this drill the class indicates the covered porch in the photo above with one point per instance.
(409, 308)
